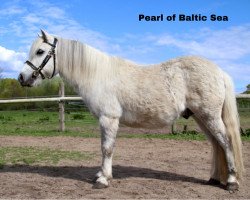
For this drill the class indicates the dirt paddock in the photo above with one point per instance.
(143, 168)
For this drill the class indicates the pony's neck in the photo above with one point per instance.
(81, 64)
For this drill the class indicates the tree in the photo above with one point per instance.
(248, 89)
(10, 88)
(1, 73)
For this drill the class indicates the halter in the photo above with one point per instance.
(38, 70)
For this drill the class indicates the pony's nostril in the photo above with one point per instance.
(20, 78)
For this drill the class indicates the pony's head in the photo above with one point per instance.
(42, 61)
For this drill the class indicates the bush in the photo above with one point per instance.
(247, 132)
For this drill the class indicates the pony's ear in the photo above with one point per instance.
(44, 36)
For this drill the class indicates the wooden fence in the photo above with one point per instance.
(62, 99)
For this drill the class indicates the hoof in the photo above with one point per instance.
(232, 187)
(213, 181)
(101, 183)
(94, 179)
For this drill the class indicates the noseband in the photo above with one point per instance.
(38, 70)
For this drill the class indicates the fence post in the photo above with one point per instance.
(61, 108)
(185, 128)
(173, 128)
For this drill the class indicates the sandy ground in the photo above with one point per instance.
(143, 168)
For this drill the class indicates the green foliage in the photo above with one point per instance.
(1, 71)
(10, 88)
(246, 133)
(248, 89)
(244, 104)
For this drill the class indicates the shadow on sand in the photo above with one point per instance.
(86, 173)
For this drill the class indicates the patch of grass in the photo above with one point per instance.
(85, 118)
(189, 135)
(38, 123)
(6, 118)
(50, 133)
(32, 155)
(43, 119)
(78, 116)
(176, 136)
(25, 123)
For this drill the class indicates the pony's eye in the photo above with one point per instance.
(39, 52)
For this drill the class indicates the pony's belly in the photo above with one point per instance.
(143, 125)
(137, 120)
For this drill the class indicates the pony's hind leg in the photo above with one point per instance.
(109, 127)
(215, 175)
(217, 128)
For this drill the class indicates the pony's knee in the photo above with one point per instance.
(109, 124)
(107, 149)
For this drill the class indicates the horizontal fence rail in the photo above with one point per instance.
(75, 98)
(29, 100)
(243, 96)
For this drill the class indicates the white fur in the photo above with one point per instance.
(119, 91)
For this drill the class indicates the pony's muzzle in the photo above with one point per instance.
(22, 81)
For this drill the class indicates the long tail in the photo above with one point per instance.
(230, 118)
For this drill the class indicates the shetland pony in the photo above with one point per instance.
(119, 91)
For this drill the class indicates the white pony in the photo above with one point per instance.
(119, 91)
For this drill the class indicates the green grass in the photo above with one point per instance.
(39, 123)
(176, 136)
(83, 124)
(32, 155)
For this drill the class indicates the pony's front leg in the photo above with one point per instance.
(109, 127)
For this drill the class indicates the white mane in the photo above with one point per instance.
(75, 58)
